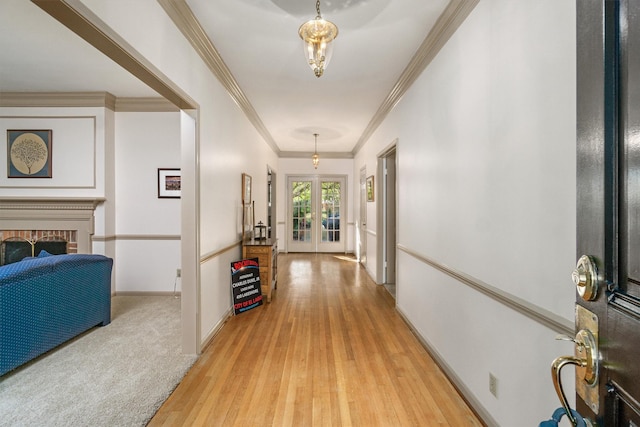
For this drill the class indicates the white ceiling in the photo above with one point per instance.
(38, 54)
(258, 40)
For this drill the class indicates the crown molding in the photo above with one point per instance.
(146, 105)
(447, 24)
(452, 17)
(57, 99)
(184, 19)
(86, 99)
(323, 155)
(80, 20)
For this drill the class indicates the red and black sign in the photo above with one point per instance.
(245, 285)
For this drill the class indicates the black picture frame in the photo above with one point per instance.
(169, 183)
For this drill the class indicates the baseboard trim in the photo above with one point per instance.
(146, 294)
(462, 389)
(211, 335)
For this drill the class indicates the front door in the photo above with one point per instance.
(608, 204)
(316, 207)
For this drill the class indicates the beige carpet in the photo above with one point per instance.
(117, 375)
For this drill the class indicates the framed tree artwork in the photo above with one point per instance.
(29, 153)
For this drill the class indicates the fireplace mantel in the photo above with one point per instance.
(51, 213)
(11, 203)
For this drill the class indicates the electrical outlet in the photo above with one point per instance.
(178, 273)
(493, 384)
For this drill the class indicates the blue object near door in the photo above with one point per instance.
(557, 416)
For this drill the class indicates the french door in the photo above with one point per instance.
(316, 204)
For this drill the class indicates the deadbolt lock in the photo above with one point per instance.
(585, 277)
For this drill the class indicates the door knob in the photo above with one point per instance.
(585, 277)
(585, 360)
(586, 352)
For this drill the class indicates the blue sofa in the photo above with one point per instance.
(48, 300)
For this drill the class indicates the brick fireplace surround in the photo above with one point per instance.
(69, 236)
(68, 219)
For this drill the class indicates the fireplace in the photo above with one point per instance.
(19, 244)
(28, 226)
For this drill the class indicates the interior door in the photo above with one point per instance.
(608, 205)
(389, 215)
(271, 204)
(362, 225)
(316, 209)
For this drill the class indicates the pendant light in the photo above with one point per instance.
(315, 158)
(318, 35)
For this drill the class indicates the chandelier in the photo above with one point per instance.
(318, 35)
(315, 158)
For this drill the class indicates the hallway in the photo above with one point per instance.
(329, 350)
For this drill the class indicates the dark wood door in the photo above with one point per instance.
(608, 199)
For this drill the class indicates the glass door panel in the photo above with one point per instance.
(315, 205)
(331, 200)
(301, 218)
(330, 203)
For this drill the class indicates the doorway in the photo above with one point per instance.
(271, 204)
(315, 207)
(387, 214)
(362, 223)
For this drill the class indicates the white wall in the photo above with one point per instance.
(486, 187)
(98, 153)
(226, 146)
(290, 166)
(231, 147)
(82, 163)
(147, 228)
(78, 151)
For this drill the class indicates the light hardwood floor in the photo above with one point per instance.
(329, 350)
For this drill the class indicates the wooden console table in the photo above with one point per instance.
(267, 253)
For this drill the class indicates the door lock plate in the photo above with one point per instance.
(587, 378)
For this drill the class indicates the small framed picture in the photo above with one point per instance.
(370, 189)
(169, 183)
(246, 189)
(29, 153)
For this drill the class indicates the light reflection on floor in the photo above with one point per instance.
(346, 258)
(304, 272)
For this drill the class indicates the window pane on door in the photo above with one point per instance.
(301, 212)
(331, 211)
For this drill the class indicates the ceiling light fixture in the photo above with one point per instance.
(315, 158)
(318, 35)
